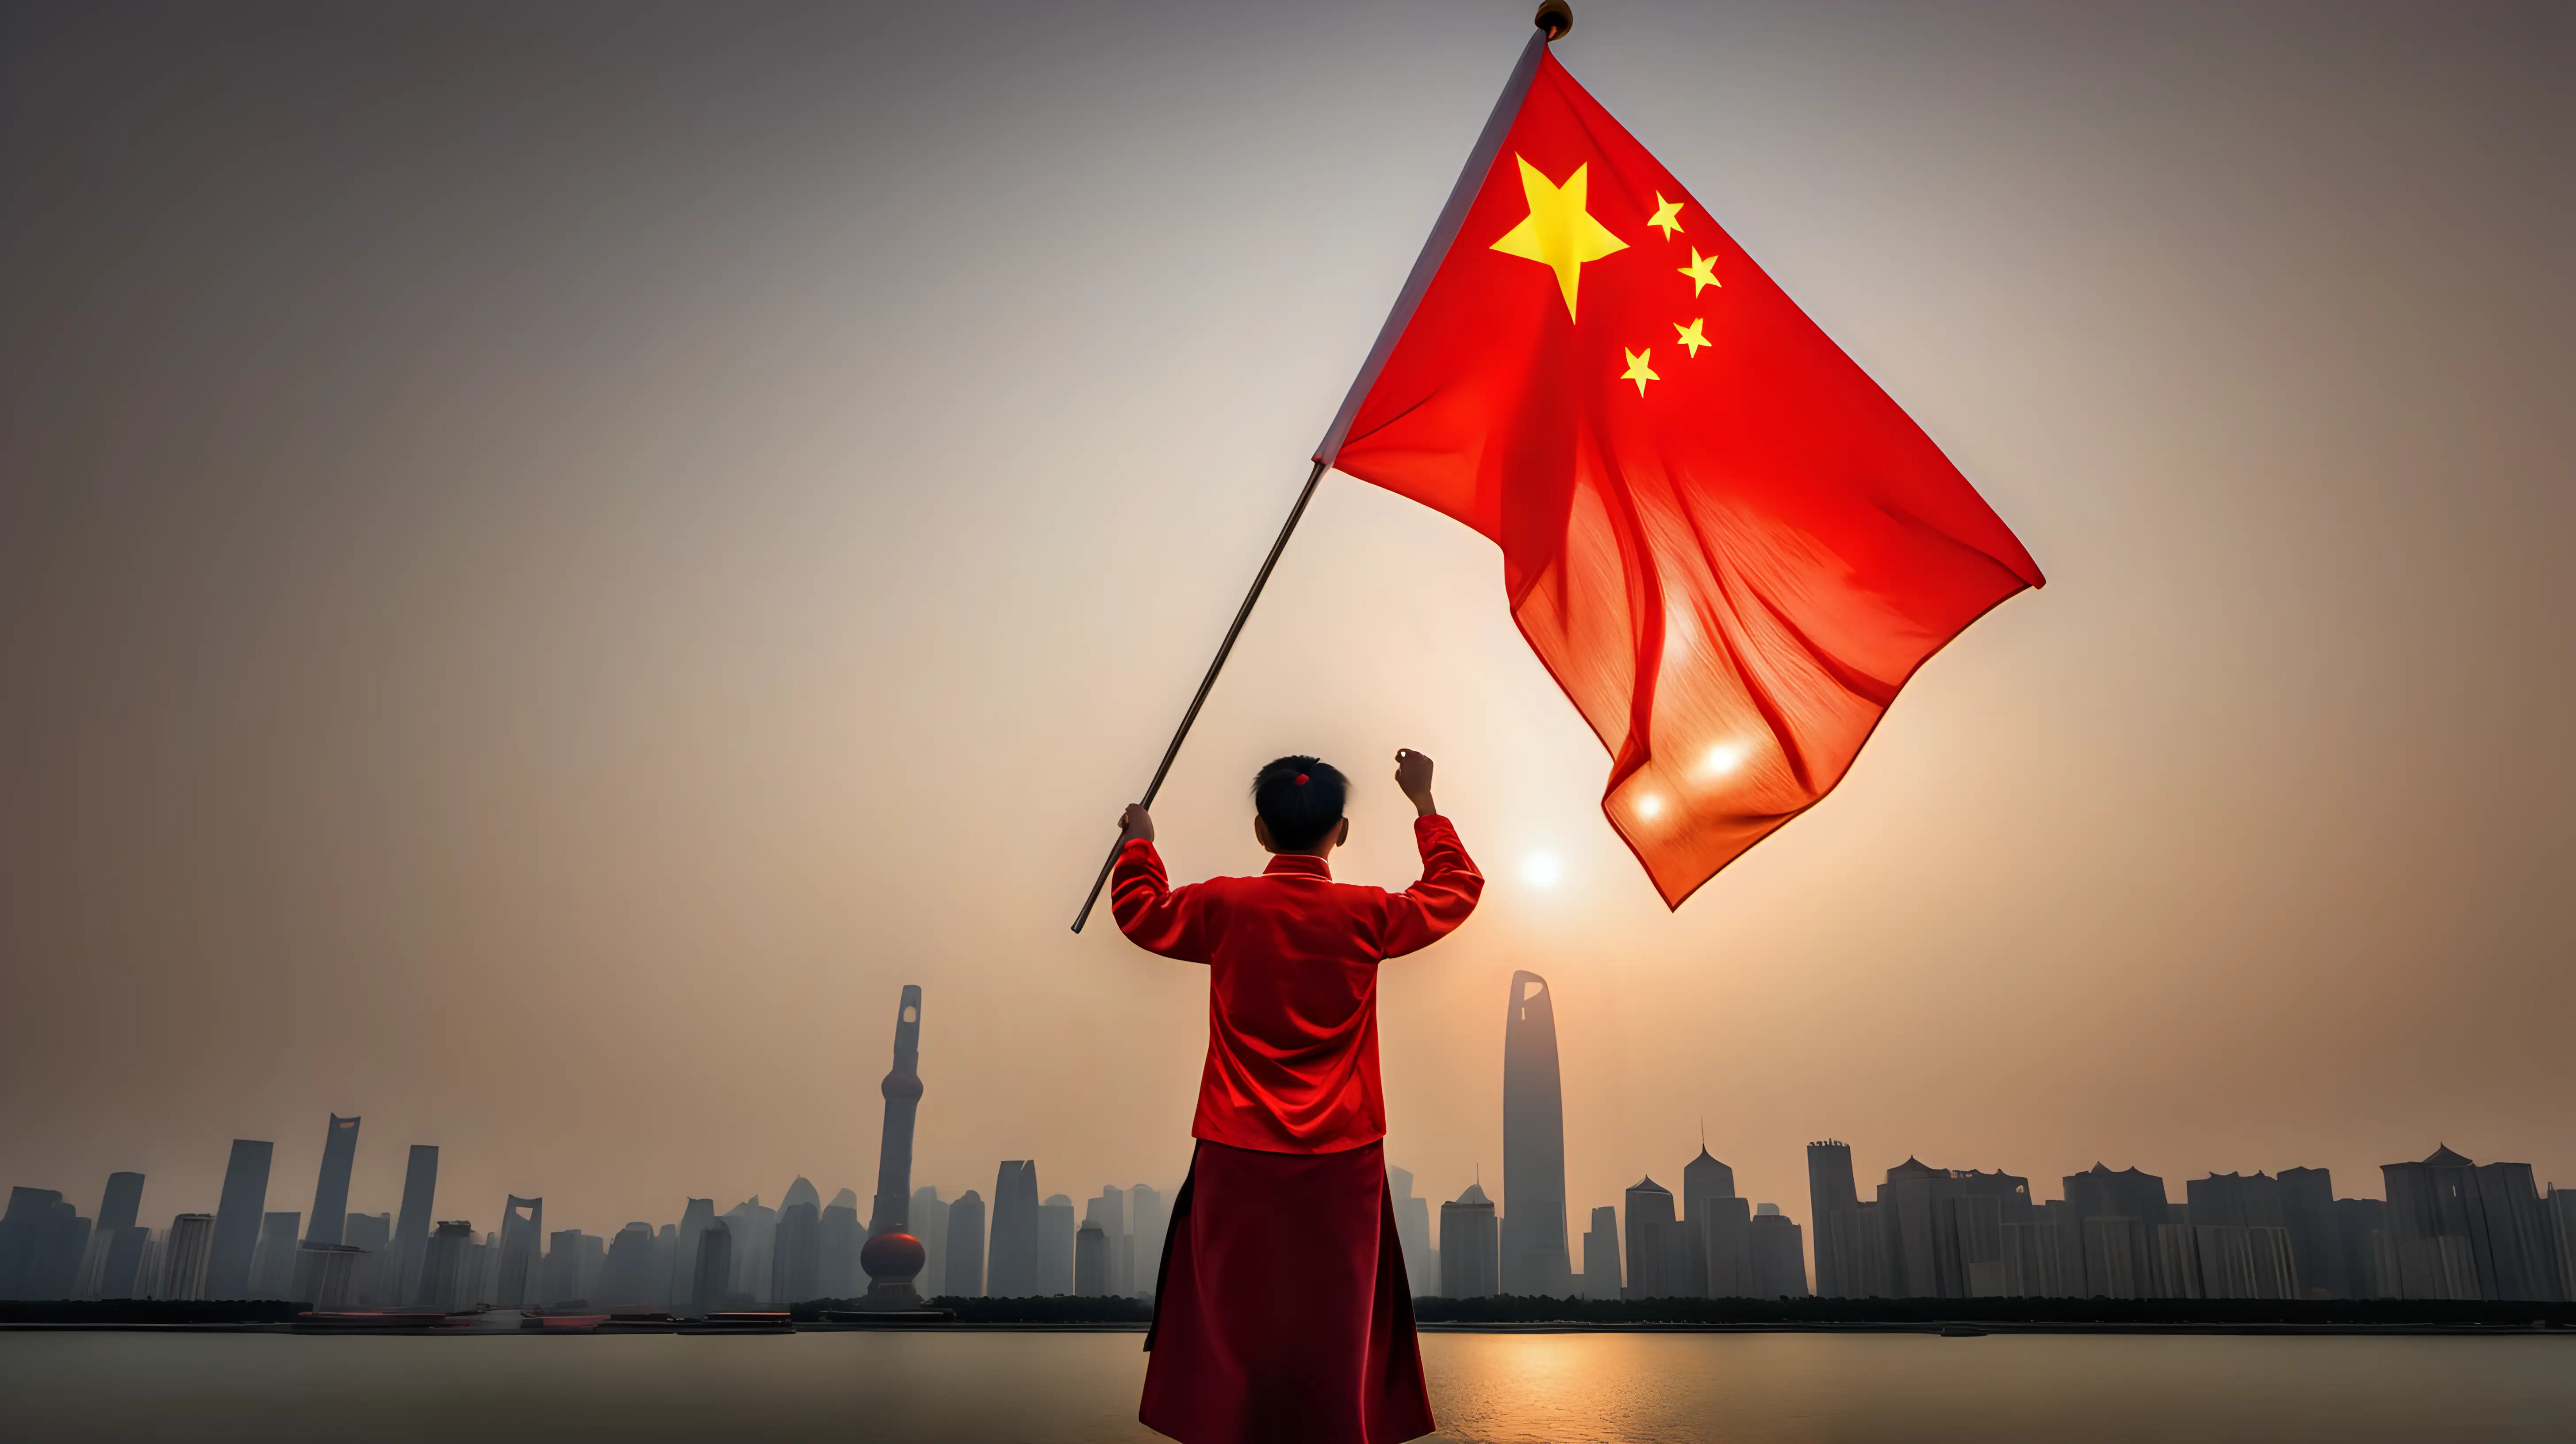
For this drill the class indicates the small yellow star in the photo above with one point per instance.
(1692, 338)
(1702, 270)
(1667, 217)
(1638, 371)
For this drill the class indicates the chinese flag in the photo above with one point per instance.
(1721, 537)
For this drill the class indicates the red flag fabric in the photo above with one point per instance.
(1726, 543)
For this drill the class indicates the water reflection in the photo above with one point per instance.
(1559, 1388)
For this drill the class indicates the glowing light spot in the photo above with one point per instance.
(1724, 758)
(1542, 869)
(1650, 806)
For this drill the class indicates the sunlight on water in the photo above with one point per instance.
(1487, 1388)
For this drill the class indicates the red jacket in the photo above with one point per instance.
(1292, 987)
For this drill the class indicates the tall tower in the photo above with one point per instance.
(1534, 1259)
(237, 1220)
(892, 1256)
(1831, 1191)
(412, 1225)
(331, 1190)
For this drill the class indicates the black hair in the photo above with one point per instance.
(1301, 799)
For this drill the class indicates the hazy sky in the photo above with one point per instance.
(552, 557)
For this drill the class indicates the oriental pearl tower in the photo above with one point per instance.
(892, 1256)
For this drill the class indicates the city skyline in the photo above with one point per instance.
(2446, 1228)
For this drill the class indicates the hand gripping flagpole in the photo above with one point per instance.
(1555, 18)
(1207, 683)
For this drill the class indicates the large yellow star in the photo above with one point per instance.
(1667, 217)
(1559, 233)
(1692, 338)
(1702, 270)
(1637, 370)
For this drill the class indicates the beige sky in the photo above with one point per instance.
(550, 566)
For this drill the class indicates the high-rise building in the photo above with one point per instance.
(930, 1225)
(272, 1260)
(838, 1238)
(2369, 1261)
(1534, 1256)
(2308, 1212)
(1056, 1224)
(331, 1189)
(121, 1206)
(695, 1215)
(1831, 1191)
(893, 1256)
(1470, 1246)
(1658, 1256)
(447, 1280)
(796, 1253)
(2113, 1216)
(1412, 1232)
(42, 1240)
(2560, 1205)
(964, 1275)
(1714, 1231)
(1148, 1220)
(1778, 1257)
(186, 1255)
(1015, 1265)
(523, 1230)
(1601, 1274)
(1108, 1213)
(714, 1288)
(411, 1226)
(627, 1279)
(237, 1219)
(1091, 1262)
(752, 1237)
(559, 1276)
(2461, 1230)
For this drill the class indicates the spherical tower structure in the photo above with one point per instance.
(892, 1257)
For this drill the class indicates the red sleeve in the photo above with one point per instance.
(1425, 912)
(1153, 914)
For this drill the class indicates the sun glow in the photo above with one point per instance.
(1650, 806)
(1542, 869)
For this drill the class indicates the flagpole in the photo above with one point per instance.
(1207, 683)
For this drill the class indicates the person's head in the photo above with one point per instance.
(1297, 802)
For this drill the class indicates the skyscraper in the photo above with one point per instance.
(237, 1220)
(1714, 1224)
(796, 1254)
(120, 1206)
(1534, 1256)
(331, 1189)
(523, 1231)
(695, 1215)
(713, 1290)
(839, 1237)
(446, 1266)
(1470, 1246)
(411, 1226)
(1779, 1260)
(272, 1260)
(1148, 1220)
(626, 1279)
(2461, 1230)
(2308, 1212)
(1091, 1261)
(1831, 1190)
(964, 1276)
(1412, 1230)
(1107, 1213)
(1601, 1274)
(42, 1239)
(1014, 1270)
(186, 1255)
(1657, 1257)
(930, 1225)
(1056, 1224)
(892, 1256)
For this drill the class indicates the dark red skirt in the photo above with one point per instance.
(1282, 1311)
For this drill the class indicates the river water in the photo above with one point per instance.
(1614, 1388)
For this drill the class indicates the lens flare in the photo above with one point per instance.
(1542, 869)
